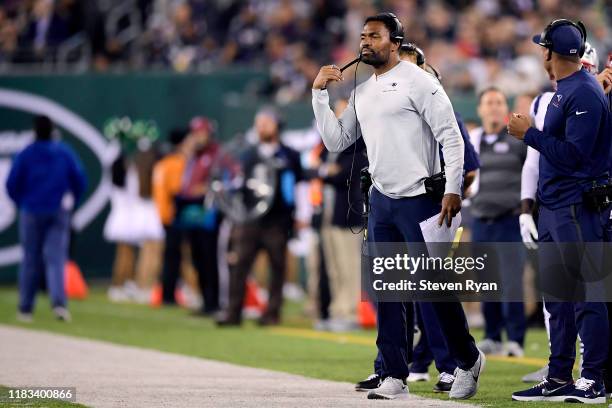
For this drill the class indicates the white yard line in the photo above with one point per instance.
(110, 375)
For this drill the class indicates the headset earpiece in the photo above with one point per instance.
(398, 31)
(583, 31)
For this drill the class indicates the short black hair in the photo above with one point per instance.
(391, 22)
(490, 89)
(43, 127)
(177, 136)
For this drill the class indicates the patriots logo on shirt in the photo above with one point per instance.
(391, 88)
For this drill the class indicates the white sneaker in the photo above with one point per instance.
(24, 317)
(417, 377)
(466, 381)
(116, 294)
(321, 325)
(488, 346)
(63, 314)
(341, 325)
(513, 349)
(390, 388)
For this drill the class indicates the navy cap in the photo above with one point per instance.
(566, 40)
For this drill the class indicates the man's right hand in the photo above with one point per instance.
(327, 73)
(605, 79)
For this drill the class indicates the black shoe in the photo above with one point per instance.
(445, 382)
(370, 383)
(204, 313)
(268, 320)
(228, 320)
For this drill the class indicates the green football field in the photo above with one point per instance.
(293, 347)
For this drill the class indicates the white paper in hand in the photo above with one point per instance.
(432, 232)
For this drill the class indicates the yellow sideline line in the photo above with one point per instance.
(364, 341)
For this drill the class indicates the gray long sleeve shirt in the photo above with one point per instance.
(402, 115)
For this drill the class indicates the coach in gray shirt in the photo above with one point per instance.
(402, 113)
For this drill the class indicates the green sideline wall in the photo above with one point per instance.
(169, 99)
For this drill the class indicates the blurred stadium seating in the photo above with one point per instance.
(473, 42)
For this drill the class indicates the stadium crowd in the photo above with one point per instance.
(476, 43)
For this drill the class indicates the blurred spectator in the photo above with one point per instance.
(45, 181)
(44, 31)
(272, 230)
(181, 185)
(495, 207)
(342, 222)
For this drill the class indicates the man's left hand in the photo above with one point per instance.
(451, 205)
(518, 125)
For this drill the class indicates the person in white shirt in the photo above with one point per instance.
(402, 113)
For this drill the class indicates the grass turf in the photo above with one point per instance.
(294, 348)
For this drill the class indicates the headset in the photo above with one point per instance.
(547, 42)
(398, 31)
(413, 49)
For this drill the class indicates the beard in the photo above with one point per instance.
(374, 59)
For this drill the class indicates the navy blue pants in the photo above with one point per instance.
(511, 263)
(44, 239)
(397, 220)
(573, 224)
(432, 345)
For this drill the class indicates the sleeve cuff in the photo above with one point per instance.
(320, 95)
(530, 137)
(452, 188)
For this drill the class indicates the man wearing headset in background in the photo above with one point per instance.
(432, 346)
(529, 177)
(575, 152)
(402, 113)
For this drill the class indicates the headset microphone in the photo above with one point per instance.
(356, 60)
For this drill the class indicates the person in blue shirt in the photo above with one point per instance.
(40, 179)
(574, 148)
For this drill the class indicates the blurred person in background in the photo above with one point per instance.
(496, 208)
(167, 181)
(270, 232)
(319, 296)
(194, 220)
(432, 345)
(341, 231)
(45, 31)
(133, 223)
(45, 181)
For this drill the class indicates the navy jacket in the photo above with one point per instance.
(575, 142)
(42, 173)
